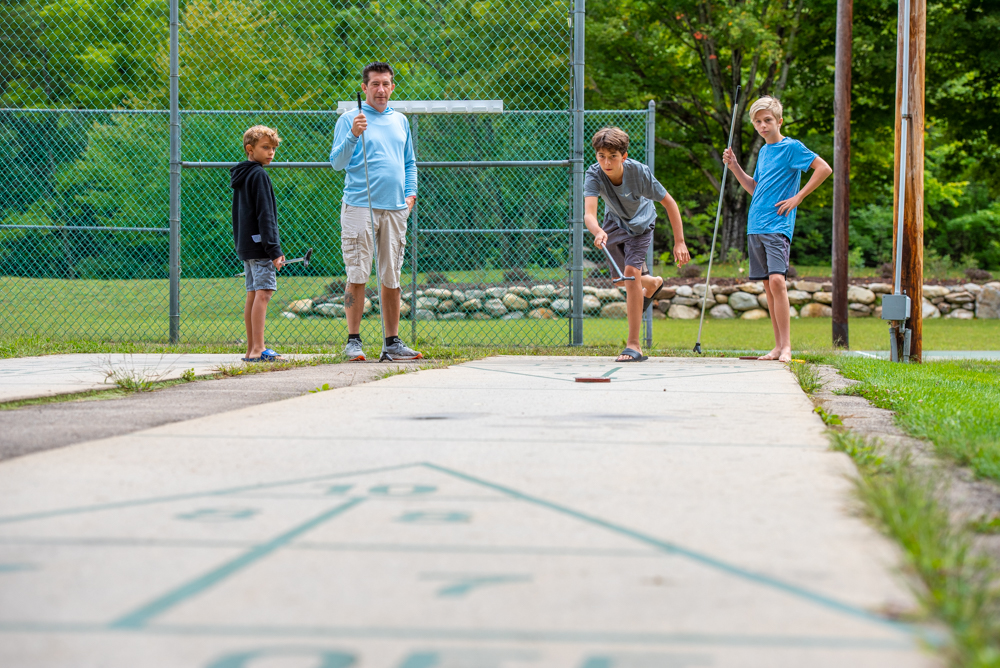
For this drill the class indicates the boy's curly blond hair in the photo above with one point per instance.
(258, 132)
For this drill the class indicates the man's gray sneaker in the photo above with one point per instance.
(353, 351)
(399, 351)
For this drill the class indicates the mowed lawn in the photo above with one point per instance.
(212, 312)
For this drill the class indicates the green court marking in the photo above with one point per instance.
(10, 519)
(606, 375)
(465, 634)
(672, 548)
(142, 616)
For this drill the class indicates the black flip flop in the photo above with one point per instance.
(635, 356)
(646, 301)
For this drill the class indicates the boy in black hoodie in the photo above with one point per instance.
(255, 231)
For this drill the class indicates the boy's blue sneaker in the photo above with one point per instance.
(353, 351)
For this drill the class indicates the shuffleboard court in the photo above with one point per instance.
(493, 514)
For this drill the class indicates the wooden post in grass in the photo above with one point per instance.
(841, 170)
(912, 280)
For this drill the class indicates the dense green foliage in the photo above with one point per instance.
(101, 169)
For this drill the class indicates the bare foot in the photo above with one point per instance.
(786, 355)
(773, 355)
(658, 286)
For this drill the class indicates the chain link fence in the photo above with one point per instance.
(85, 242)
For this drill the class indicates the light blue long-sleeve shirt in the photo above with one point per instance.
(392, 166)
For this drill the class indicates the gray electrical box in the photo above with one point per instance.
(895, 307)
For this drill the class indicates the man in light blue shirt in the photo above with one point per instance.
(392, 175)
(771, 220)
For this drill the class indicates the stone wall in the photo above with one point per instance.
(746, 301)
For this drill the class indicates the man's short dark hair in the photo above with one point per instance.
(381, 68)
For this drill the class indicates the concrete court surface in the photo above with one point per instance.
(494, 514)
(49, 375)
(43, 426)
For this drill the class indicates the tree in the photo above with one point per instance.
(689, 56)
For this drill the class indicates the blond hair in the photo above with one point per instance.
(258, 132)
(766, 103)
(611, 138)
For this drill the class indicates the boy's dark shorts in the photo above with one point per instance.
(261, 275)
(768, 255)
(626, 249)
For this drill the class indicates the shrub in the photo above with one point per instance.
(690, 271)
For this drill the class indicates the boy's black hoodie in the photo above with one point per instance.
(255, 217)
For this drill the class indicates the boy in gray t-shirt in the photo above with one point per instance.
(629, 190)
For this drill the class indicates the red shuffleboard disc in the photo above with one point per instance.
(592, 380)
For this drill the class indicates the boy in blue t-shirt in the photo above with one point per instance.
(771, 220)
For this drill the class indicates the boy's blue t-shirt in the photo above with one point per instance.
(778, 173)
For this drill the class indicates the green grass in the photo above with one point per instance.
(959, 585)
(955, 405)
(212, 313)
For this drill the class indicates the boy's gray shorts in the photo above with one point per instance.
(626, 249)
(261, 275)
(768, 254)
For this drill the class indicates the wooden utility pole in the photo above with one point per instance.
(841, 170)
(912, 280)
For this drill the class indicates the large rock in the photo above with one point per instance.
(859, 310)
(807, 286)
(755, 314)
(494, 293)
(562, 306)
(519, 290)
(823, 297)
(973, 288)
(988, 303)
(881, 288)
(454, 315)
(429, 303)
(473, 294)
(686, 301)
(722, 312)
(479, 315)
(793, 312)
(664, 305)
(743, 301)
(684, 291)
(928, 310)
(860, 295)
(614, 310)
(681, 312)
(516, 315)
(300, 306)
(542, 314)
(425, 314)
(610, 295)
(543, 290)
(515, 302)
(589, 290)
(447, 306)
(932, 291)
(404, 309)
(762, 301)
(329, 310)
(816, 310)
(797, 297)
(668, 292)
(540, 302)
(721, 299)
(728, 290)
(699, 291)
(591, 304)
(962, 297)
(458, 296)
(471, 305)
(961, 314)
(438, 293)
(494, 307)
(563, 293)
(753, 287)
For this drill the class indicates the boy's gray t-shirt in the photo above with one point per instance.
(632, 204)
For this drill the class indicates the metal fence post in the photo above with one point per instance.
(175, 175)
(647, 317)
(576, 273)
(414, 131)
